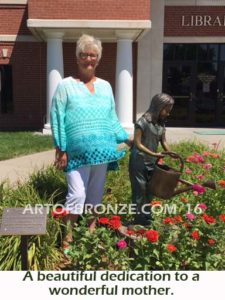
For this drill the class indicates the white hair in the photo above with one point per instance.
(88, 41)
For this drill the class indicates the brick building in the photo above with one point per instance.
(149, 46)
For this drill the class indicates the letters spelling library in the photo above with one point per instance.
(149, 46)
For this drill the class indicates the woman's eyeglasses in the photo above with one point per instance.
(86, 55)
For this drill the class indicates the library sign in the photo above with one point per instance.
(202, 20)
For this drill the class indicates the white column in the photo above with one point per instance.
(124, 84)
(150, 59)
(55, 72)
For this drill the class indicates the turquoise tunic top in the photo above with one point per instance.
(85, 125)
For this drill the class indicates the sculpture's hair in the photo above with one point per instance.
(158, 102)
(162, 98)
(88, 41)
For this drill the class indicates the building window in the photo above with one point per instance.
(194, 75)
(194, 52)
(6, 92)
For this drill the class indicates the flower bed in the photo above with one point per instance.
(187, 231)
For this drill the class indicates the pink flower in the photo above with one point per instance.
(195, 158)
(198, 188)
(195, 193)
(188, 171)
(207, 166)
(190, 216)
(200, 177)
(202, 206)
(205, 153)
(161, 161)
(121, 244)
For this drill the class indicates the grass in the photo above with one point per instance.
(14, 144)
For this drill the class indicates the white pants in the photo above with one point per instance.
(85, 186)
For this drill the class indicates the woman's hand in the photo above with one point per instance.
(60, 159)
(129, 142)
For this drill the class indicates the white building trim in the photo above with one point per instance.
(106, 30)
(16, 38)
(13, 1)
(62, 23)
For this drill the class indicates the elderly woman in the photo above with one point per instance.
(85, 130)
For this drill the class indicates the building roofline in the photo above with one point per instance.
(63, 23)
(107, 30)
(17, 2)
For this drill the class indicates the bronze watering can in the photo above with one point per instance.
(165, 179)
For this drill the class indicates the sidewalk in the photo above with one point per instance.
(175, 135)
(18, 169)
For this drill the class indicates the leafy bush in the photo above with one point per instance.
(43, 251)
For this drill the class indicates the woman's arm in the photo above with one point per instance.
(141, 147)
(129, 142)
(57, 117)
(120, 134)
